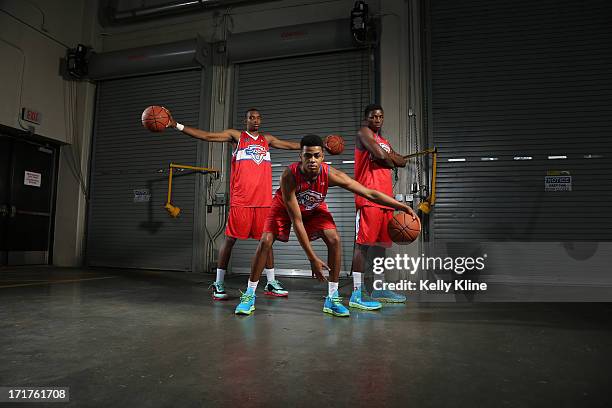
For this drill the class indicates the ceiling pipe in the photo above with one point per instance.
(163, 9)
(110, 14)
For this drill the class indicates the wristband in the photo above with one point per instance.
(179, 127)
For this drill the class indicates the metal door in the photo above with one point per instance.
(27, 183)
(5, 172)
(128, 226)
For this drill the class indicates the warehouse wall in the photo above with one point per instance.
(34, 36)
(393, 59)
(32, 80)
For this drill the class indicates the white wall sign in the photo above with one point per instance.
(32, 179)
(142, 196)
(558, 181)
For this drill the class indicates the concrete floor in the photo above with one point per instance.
(135, 339)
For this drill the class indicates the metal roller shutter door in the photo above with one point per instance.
(516, 80)
(320, 94)
(127, 157)
(512, 84)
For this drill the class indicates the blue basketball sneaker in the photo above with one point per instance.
(247, 303)
(333, 305)
(388, 296)
(361, 301)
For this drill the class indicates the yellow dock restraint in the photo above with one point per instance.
(173, 210)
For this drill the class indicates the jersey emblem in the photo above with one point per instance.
(255, 152)
(385, 147)
(309, 199)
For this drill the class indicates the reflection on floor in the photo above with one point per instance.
(153, 339)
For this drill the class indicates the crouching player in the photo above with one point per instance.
(300, 202)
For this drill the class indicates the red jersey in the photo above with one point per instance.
(251, 178)
(310, 194)
(371, 174)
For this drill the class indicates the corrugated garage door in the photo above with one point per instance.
(318, 94)
(522, 90)
(128, 226)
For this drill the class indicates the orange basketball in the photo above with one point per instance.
(155, 118)
(334, 144)
(404, 228)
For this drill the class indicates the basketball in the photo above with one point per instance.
(404, 228)
(334, 144)
(155, 118)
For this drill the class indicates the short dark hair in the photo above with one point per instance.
(371, 107)
(311, 140)
(246, 114)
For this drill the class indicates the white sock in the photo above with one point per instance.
(380, 278)
(252, 285)
(269, 274)
(357, 280)
(332, 288)
(220, 275)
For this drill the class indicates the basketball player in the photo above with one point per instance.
(374, 159)
(300, 202)
(250, 191)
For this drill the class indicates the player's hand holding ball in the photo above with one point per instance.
(408, 210)
(334, 144)
(171, 121)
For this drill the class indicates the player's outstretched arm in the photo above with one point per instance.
(288, 187)
(340, 179)
(227, 135)
(281, 144)
(367, 140)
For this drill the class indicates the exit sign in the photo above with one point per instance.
(31, 116)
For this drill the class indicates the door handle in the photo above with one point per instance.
(13, 211)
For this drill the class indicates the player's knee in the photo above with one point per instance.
(266, 242)
(333, 240)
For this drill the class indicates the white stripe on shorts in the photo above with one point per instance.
(357, 218)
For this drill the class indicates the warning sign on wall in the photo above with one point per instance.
(32, 179)
(557, 181)
(142, 196)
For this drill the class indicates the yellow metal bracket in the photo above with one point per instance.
(173, 210)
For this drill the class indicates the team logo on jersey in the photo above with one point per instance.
(255, 152)
(385, 147)
(309, 199)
